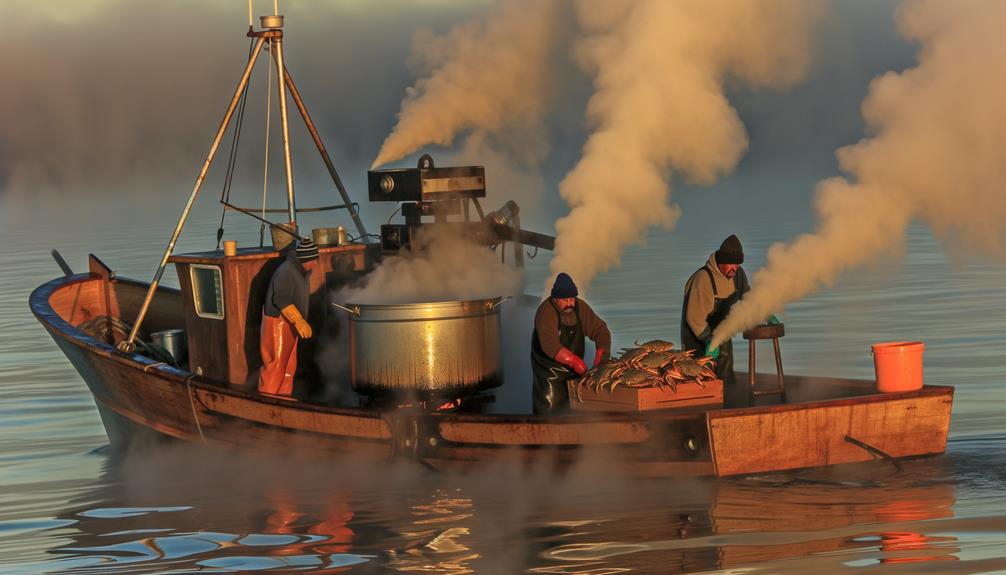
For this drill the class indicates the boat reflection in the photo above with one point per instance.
(438, 537)
(282, 515)
(829, 522)
(260, 525)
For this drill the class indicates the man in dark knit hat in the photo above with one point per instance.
(709, 294)
(284, 319)
(557, 344)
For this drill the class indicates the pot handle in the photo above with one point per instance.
(495, 304)
(353, 310)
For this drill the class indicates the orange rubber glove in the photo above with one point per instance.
(571, 360)
(292, 315)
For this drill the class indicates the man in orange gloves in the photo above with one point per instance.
(284, 319)
(557, 344)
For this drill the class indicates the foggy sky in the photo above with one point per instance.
(108, 102)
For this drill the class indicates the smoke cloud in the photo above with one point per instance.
(936, 155)
(660, 71)
(487, 75)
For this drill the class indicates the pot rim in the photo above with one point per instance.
(436, 304)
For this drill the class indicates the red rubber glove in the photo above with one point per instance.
(598, 357)
(571, 360)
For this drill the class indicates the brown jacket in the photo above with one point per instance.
(701, 299)
(546, 323)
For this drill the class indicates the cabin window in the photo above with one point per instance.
(207, 291)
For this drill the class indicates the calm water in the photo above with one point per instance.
(67, 505)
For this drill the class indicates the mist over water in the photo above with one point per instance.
(68, 505)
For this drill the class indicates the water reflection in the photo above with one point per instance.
(258, 525)
(826, 519)
(189, 510)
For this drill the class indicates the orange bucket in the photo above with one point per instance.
(898, 365)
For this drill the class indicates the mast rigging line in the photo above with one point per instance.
(299, 210)
(225, 193)
(264, 221)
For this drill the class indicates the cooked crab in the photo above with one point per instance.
(657, 345)
(632, 378)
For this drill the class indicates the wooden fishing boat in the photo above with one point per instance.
(208, 399)
(824, 422)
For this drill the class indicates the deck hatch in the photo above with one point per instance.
(207, 291)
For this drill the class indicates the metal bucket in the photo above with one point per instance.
(329, 236)
(282, 239)
(443, 349)
(173, 341)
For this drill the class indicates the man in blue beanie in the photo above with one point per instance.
(557, 344)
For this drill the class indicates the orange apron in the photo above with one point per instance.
(278, 346)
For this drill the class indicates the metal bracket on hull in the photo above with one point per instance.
(410, 438)
(873, 451)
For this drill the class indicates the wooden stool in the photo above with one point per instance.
(765, 331)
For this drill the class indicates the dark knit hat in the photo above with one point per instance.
(564, 287)
(306, 250)
(730, 251)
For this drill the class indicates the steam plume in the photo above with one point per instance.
(446, 267)
(488, 75)
(659, 72)
(937, 155)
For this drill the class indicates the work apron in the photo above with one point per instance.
(278, 347)
(725, 361)
(550, 394)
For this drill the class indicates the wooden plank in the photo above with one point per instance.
(647, 398)
(246, 287)
(544, 432)
(79, 301)
(256, 253)
(284, 414)
(811, 435)
(165, 312)
(207, 337)
(97, 267)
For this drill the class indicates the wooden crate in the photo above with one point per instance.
(646, 398)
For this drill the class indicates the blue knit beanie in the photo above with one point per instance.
(564, 287)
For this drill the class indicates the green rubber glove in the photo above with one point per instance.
(713, 353)
(773, 320)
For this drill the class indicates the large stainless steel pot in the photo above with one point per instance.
(444, 349)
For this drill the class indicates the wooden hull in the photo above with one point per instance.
(136, 395)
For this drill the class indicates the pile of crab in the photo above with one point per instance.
(652, 364)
